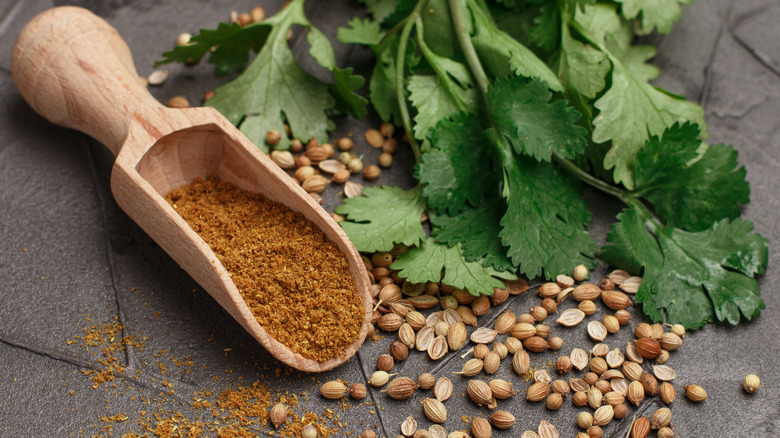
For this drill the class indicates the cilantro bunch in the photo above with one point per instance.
(510, 106)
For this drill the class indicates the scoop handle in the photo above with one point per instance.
(74, 69)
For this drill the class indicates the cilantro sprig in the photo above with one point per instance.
(509, 107)
(274, 89)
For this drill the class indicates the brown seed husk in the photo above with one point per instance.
(401, 388)
(434, 410)
(278, 415)
(502, 420)
(480, 393)
(666, 393)
(480, 428)
(333, 390)
(695, 393)
(537, 392)
(443, 389)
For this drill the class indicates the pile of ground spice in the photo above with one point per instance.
(294, 280)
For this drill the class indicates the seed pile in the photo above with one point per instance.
(312, 163)
(294, 280)
(609, 379)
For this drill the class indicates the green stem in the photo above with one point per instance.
(592, 180)
(446, 82)
(400, 87)
(469, 52)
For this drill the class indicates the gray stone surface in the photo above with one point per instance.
(70, 259)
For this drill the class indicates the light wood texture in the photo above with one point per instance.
(75, 70)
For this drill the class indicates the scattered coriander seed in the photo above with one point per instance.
(584, 420)
(580, 273)
(385, 159)
(480, 428)
(345, 144)
(244, 19)
(371, 172)
(357, 391)
(409, 426)
(695, 393)
(333, 390)
(309, 431)
(502, 420)
(258, 14)
(387, 129)
(678, 329)
(751, 383)
(389, 146)
(273, 137)
(426, 381)
(157, 77)
(355, 165)
(555, 343)
(401, 388)
(554, 401)
(183, 39)
(374, 138)
(341, 176)
(666, 393)
(178, 102)
(587, 307)
(434, 410)
(660, 418)
(278, 415)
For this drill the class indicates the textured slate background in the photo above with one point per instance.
(70, 258)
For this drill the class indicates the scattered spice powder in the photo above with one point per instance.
(294, 280)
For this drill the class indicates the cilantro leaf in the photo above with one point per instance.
(231, 42)
(661, 14)
(689, 190)
(382, 85)
(545, 32)
(633, 248)
(274, 89)
(631, 110)
(438, 97)
(544, 221)
(700, 276)
(347, 101)
(433, 101)
(476, 229)
(521, 110)
(504, 55)
(582, 67)
(426, 263)
(365, 31)
(453, 173)
(382, 217)
(573, 5)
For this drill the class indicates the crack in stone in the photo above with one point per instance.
(704, 95)
(370, 393)
(758, 56)
(129, 350)
(75, 361)
(80, 363)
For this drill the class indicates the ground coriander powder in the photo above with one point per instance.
(294, 280)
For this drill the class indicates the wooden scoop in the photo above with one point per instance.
(75, 70)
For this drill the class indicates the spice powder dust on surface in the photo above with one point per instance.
(294, 280)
